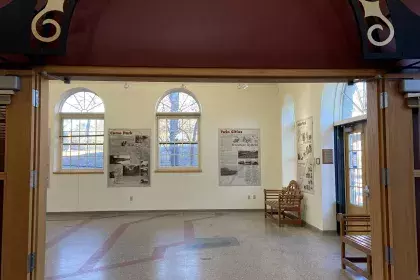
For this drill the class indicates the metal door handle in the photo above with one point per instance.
(366, 191)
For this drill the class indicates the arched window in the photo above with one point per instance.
(81, 131)
(354, 101)
(178, 126)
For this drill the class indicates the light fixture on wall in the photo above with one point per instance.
(126, 85)
(243, 86)
(184, 86)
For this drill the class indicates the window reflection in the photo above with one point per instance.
(355, 170)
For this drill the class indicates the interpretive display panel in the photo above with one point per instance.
(129, 158)
(239, 157)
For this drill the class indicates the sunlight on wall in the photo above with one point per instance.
(288, 133)
(224, 106)
(327, 142)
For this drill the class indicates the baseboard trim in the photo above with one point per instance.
(317, 230)
(155, 211)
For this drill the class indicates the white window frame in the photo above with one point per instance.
(343, 97)
(86, 116)
(178, 115)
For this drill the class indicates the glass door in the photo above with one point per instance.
(355, 166)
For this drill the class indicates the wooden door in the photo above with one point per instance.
(18, 194)
(357, 202)
(400, 185)
(23, 180)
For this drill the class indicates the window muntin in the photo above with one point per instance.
(178, 102)
(355, 168)
(178, 124)
(354, 101)
(82, 143)
(82, 132)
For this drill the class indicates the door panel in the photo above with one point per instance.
(18, 195)
(376, 148)
(416, 142)
(401, 194)
(355, 165)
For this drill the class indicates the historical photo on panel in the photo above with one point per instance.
(305, 158)
(239, 157)
(129, 151)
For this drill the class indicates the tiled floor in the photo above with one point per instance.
(187, 246)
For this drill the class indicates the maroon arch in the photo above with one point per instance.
(303, 34)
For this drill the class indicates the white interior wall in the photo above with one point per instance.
(272, 108)
(327, 117)
(311, 100)
(224, 106)
(288, 138)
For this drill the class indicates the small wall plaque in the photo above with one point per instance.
(327, 156)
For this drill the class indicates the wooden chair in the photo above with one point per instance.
(285, 204)
(355, 231)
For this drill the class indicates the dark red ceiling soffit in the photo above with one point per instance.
(299, 34)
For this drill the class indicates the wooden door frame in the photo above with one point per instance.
(207, 74)
(378, 204)
(213, 75)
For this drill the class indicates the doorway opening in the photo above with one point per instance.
(88, 199)
(162, 182)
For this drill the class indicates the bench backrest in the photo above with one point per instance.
(271, 194)
(292, 189)
(291, 194)
(354, 224)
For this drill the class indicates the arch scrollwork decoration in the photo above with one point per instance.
(52, 5)
(372, 9)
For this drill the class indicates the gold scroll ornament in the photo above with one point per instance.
(372, 9)
(52, 5)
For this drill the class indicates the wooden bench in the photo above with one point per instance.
(284, 205)
(355, 232)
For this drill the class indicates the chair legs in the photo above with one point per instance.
(265, 210)
(343, 255)
(369, 265)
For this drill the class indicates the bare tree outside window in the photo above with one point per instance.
(354, 101)
(82, 132)
(178, 115)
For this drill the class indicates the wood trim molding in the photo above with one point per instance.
(78, 172)
(171, 170)
(403, 76)
(197, 73)
(21, 73)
